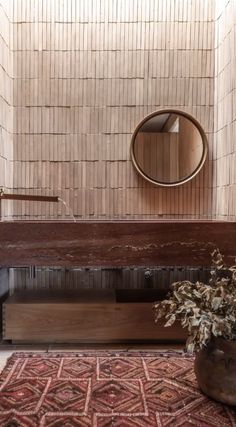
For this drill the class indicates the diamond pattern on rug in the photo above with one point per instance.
(21, 395)
(36, 367)
(168, 368)
(106, 389)
(121, 367)
(15, 420)
(118, 397)
(202, 414)
(169, 396)
(189, 377)
(57, 420)
(78, 368)
(211, 415)
(128, 421)
(71, 396)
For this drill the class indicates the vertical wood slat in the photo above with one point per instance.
(224, 178)
(127, 278)
(84, 78)
(6, 102)
(198, 12)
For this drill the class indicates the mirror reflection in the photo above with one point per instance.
(168, 148)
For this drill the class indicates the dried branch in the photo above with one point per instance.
(205, 309)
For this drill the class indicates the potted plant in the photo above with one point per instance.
(208, 311)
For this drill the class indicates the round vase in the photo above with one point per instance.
(215, 369)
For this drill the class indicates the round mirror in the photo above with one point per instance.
(168, 147)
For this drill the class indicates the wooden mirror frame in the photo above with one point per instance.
(204, 142)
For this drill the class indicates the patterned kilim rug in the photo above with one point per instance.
(103, 389)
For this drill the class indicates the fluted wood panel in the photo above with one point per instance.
(225, 111)
(6, 103)
(126, 278)
(85, 73)
(157, 154)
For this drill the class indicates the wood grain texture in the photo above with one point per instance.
(85, 73)
(76, 79)
(6, 105)
(4, 282)
(29, 197)
(224, 153)
(133, 278)
(78, 320)
(115, 244)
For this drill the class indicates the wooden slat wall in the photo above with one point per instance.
(6, 104)
(85, 73)
(158, 155)
(225, 111)
(4, 282)
(126, 278)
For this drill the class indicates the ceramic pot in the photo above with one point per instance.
(215, 369)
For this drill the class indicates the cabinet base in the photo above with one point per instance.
(86, 316)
